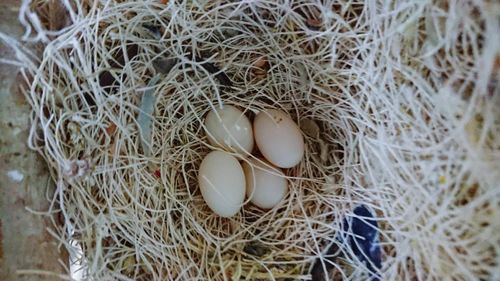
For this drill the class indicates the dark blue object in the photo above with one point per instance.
(361, 234)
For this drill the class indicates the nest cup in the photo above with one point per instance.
(396, 102)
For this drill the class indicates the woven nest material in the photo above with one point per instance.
(397, 100)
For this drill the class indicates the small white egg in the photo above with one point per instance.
(266, 186)
(278, 138)
(230, 129)
(222, 183)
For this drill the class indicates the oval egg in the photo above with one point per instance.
(278, 138)
(230, 129)
(222, 183)
(266, 186)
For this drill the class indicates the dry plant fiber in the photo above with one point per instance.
(398, 102)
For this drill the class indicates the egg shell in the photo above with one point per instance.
(265, 186)
(222, 183)
(279, 139)
(230, 129)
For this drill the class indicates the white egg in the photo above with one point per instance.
(278, 138)
(266, 186)
(222, 183)
(230, 129)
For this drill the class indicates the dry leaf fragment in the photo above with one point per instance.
(312, 22)
(111, 129)
(309, 127)
(261, 66)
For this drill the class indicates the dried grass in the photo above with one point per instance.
(405, 95)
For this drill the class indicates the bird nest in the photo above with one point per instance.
(397, 101)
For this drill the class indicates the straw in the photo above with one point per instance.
(404, 94)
